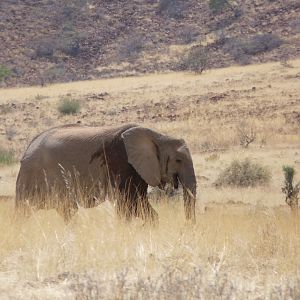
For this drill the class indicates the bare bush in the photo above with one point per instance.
(196, 60)
(246, 133)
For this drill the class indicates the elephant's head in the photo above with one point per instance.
(160, 159)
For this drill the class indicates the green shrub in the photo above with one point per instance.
(68, 106)
(217, 5)
(244, 174)
(7, 157)
(196, 60)
(290, 189)
(4, 72)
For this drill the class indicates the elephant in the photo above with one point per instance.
(75, 161)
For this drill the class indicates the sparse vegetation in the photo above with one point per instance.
(131, 47)
(53, 74)
(7, 157)
(242, 49)
(290, 190)
(171, 8)
(187, 35)
(68, 106)
(243, 174)
(196, 60)
(4, 72)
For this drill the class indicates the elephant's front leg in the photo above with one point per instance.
(146, 211)
(143, 208)
(134, 202)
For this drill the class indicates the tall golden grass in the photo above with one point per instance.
(239, 245)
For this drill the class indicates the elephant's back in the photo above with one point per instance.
(71, 137)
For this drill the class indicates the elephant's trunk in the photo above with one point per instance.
(188, 181)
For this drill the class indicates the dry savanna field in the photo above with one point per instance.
(245, 244)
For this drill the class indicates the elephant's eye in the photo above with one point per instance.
(178, 161)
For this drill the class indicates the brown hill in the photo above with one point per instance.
(49, 40)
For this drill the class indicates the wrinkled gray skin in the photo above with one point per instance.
(74, 162)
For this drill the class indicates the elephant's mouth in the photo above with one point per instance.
(162, 185)
(175, 181)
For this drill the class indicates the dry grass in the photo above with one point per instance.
(244, 245)
(231, 249)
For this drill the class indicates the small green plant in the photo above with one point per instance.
(4, 72)
(7, 157)
(290, 190)
(68, 106)
(244, 174)
(196, 60)
(217, 5)
(5, 109)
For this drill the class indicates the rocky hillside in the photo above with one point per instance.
(45, 41)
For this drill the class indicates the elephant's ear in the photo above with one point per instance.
(142, 153)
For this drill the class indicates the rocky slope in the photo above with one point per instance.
(45, 41)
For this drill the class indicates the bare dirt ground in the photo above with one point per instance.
(245, 242)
